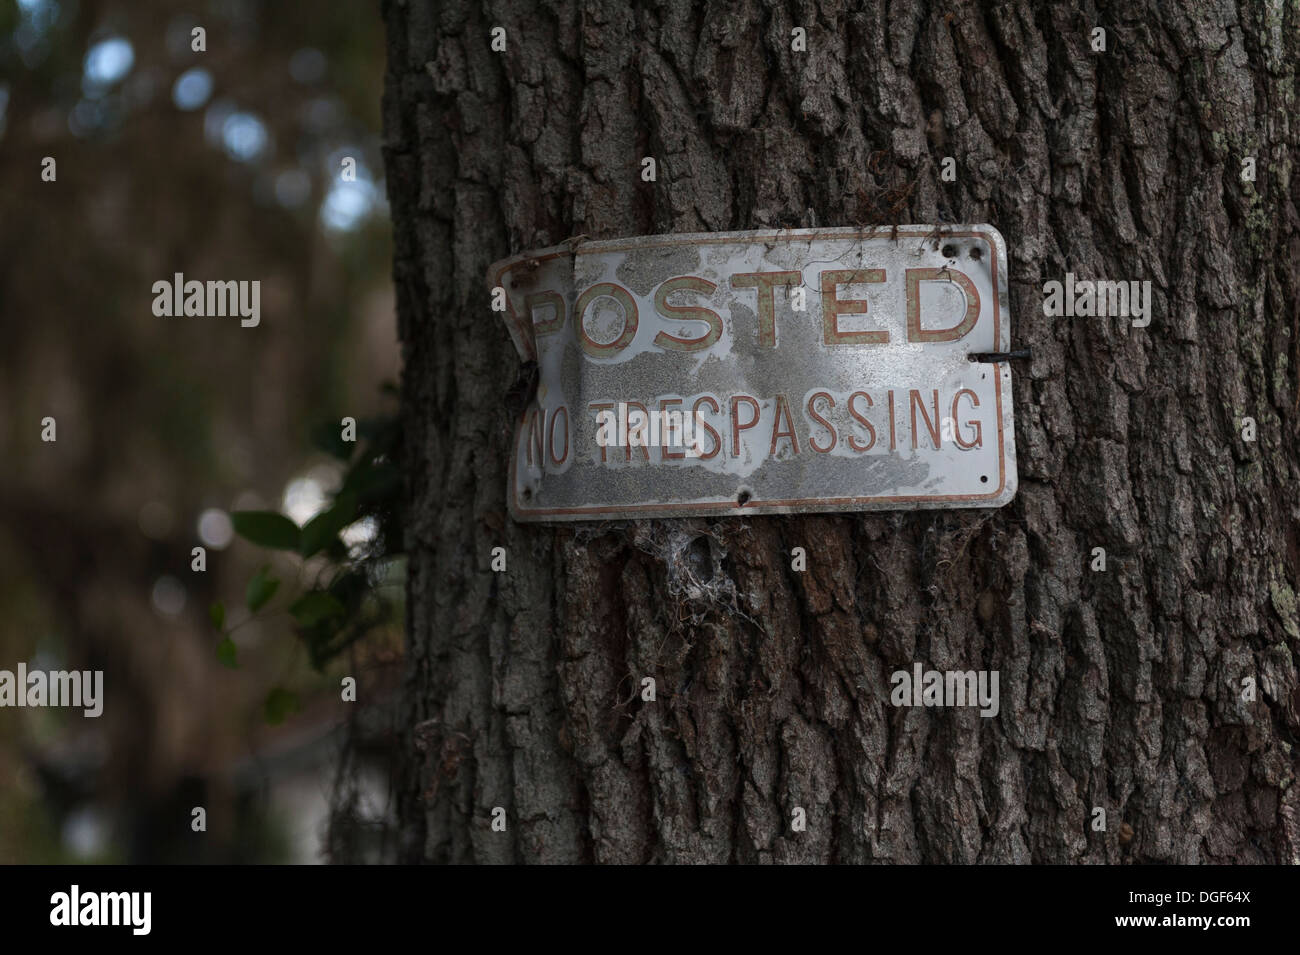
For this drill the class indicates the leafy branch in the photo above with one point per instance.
(345, 601)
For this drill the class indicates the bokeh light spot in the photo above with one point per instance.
(168, 596)
(304, 498)
(192, 89)
(108, 61)
(215, 529)
(244, 137)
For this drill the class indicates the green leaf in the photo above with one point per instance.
(266, 528)
(279, 704)
(226, 653)
(314, 607)
(321, 529)
(261, 588)
(218, 614)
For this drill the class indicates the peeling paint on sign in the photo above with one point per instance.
(762, 373)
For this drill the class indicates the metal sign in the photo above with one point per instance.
(761, 373)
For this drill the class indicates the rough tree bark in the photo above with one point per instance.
(1121, 689)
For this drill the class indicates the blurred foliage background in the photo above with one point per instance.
(223, 164)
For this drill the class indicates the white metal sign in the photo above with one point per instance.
(762, 373)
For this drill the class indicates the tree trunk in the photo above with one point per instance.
(1121, 689)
